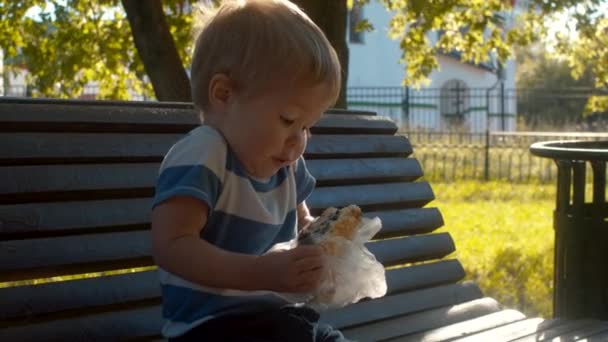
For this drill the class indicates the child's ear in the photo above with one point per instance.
(220, 91)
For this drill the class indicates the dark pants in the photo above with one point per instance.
(293, 324)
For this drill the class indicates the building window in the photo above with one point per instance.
(354, 17)
(454, 102)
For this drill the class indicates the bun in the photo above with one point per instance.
(332, 223)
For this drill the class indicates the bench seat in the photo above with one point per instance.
(76, 181)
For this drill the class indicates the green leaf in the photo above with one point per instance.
(79, 42)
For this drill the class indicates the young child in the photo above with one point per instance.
(235, 187)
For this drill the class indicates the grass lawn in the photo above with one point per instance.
(504, 238)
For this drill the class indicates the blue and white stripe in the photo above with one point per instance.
(246, 215)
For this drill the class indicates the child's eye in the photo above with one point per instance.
(287, 121)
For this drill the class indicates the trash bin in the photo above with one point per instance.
(581, 228)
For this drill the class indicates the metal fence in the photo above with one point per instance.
(476, 133)
(89, 92)
(450, 156)
(455, 107)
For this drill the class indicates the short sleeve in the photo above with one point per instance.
(305, 182)
(189, 170)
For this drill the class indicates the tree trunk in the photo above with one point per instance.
(331, 15)
(157, 50)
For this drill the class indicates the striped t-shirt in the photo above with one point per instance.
(246, 215)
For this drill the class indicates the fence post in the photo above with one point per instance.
(486, 170)
(502, 106)
(405, 106)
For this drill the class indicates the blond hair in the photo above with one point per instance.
(257, 43)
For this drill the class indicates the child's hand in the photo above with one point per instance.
(296, 270)
(304, 222)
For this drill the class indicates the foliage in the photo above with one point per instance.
(75, 42)
(590, 49)
(71, 43)
(597, 104)
(537, 68)
(482, 30)
(541, 76)
(509, 252)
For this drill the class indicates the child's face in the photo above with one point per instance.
(270, 130)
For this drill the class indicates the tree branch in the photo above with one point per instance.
(157, 50)
(331, 16)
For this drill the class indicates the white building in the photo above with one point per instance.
(457, 96)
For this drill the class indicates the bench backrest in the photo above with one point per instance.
(76, 180)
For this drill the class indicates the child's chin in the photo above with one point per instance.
(267, 173)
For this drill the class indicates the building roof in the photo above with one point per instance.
(488, 66)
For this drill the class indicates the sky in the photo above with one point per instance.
(35, 11)
(563, 20)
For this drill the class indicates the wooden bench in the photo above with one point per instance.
(76, 180)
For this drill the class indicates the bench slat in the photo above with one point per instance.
(363, 170)
(603, 336)
(44, 257)
(408, 221)
(47, 219)
(372, 196)
(105, 118)
(421, 321)
(511, 331)
(412, 248)
(357, 146)
(109, 326)
(44, 219)
(47, 103)
(465, 328)
(20, 180)
(49, 256)
(423, 276)
(565, 327)
(354, 124)
(60, 178)
(329, 124)
(59, 148)
(84, 295)
(401, 304)
(586, 333)
(369, 197)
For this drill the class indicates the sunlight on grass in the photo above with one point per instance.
(504, 239)
(74, 277)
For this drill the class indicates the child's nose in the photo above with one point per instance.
(297, 138)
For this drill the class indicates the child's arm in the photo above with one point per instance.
(304, 217)
(178, 248)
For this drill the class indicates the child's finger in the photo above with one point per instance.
(312, 277)
(307, 251)
(309, 264)
(307, 286)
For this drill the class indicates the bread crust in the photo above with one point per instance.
(332, 223)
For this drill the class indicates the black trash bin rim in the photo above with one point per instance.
(571, 149)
